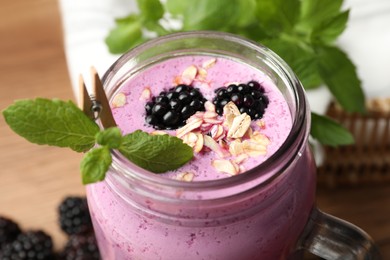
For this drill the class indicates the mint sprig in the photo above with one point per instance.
(155, 152)
(63, 124)
(95, 164)
(302, 32)
(334, 133)
(52, 122)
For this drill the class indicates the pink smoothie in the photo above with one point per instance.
(215, 73)
(135, 223)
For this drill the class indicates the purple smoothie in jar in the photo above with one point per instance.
(220, 72)
(259, 213)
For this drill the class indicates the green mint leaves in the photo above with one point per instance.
(302, 32)
(132, 26)
(328, 130)
(52, 122)
(95, 164)
(156, 153)
(63, 124)
(342, 74)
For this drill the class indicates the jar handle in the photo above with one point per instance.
(331, 238)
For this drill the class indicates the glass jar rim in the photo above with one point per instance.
(296, 139)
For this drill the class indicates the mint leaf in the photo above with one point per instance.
(59, 123)
(127, 34)
(110, 137)
(278, 15)
(156, 153)
(306, 69)
(95, 164)
(243, 6)
(177, 7)
(206, 15)
(252, 31)
(315, 12)
(155, 27)
(328, 30)
(128, 31)
(339, 74)
(303, 61)
(329, 132)
(52, 122)
(150, 9)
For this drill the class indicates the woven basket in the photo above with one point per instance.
(366, 161)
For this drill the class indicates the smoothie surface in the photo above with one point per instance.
(216, 153)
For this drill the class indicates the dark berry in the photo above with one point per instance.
(170, 109)
(172, 95)
(151, 120)
(196, 104)
(251, 112)
(81, 248)
(161, 99)
(175, 104)
(159, 109)
(232, 88)
(184, 97)
(265, 100)
(149, 107)
(74, 216)
(254, 84)
(195, 93)
(243, 110)
(187, 111)
(171, 118)
(32, 245)
(182, 88)
(260, 104)
(219, 110)
(221, 92)
(9, 230)
(256, 94)
(236, 98)
(249, 98)
(242, 88)
(223, 102)
(257, 116)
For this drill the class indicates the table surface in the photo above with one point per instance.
(34, 179)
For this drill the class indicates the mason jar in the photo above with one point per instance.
(269, 212)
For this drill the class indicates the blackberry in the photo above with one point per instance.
(32, 245)
(9, 230)
(249, 98)
(74, 215)
(80, 247)
(170, 109)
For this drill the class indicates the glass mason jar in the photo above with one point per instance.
(268, 212)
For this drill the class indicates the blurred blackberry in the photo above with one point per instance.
(249, 98)
(80, 247)
(9, 230)
(170, 109)
(32, 245)
(74, 216)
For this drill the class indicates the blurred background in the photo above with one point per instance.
(45, 44)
